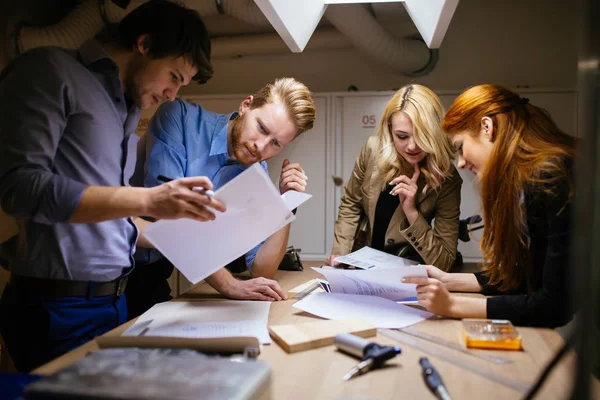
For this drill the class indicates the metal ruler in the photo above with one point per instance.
(455, 346)
(514, 384)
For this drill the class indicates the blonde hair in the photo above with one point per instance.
(294, 96)
(425, 111)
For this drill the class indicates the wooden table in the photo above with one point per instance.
(317, 374)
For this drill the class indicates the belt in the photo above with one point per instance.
(64, 288)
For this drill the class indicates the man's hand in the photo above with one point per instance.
(254, 289)
(180, 199)
(292, 177)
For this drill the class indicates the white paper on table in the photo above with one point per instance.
(386, 283)
(205, 319)
(369, 258)
(294, 199)
(197, 249)
(382, 313)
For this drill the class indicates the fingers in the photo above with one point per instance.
(190, 182)
(201, 200)
(401, 178)
(274, 286)
(293, 182)
(285, 163)
(291, 166)
(403, 188)
(418, 280)
(416, 174)
(331, 262)
(288, 171)
(267, 288)
(292, 178)
(271, 293)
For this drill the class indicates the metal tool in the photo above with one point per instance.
(433, 380)
(372, 354)
(455, 346)
(514, 384)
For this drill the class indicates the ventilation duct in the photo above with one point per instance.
(356, 26)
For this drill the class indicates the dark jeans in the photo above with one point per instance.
(37, 329)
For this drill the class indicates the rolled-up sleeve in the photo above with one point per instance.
(33, 117)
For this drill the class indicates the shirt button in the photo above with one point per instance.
(419, 248)
(409, 234)
(416, 243)
(390, 241)
(413, 240)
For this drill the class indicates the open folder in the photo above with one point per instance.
(255, 211)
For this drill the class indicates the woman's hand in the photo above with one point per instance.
(406, 189)
(432, 292)
(333, 263)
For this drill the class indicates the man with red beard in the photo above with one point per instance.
(185, 140)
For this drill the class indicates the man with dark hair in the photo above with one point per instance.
(67, 128)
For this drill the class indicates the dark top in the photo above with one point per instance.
(384, 210)
(64, 125)
(549, 227)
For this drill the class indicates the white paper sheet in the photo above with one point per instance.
(294, 199)
(255, 210)
(380, 312)
(386, 283)
(205, 319)
(369, 258)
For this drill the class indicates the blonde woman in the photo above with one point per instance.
(402, 180)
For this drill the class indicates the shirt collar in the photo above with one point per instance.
(91, 52)
(219, 142)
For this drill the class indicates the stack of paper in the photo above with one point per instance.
(381, 312)
(386, 283)
(255, 210)
(368, 258)
(205, 319)
(372, 293)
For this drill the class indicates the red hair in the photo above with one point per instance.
(529, 150)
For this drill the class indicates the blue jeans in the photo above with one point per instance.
(37, 329)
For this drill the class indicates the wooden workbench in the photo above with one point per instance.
(317, 374)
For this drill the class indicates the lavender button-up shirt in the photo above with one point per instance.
(65, 124)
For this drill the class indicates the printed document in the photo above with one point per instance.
(205, 319)
(255, 211)
(369, 258)
(382, 313)
(386, 283)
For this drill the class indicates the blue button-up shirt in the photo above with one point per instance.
(184, 140)
(64, 125)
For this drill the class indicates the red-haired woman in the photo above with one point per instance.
(525, 166)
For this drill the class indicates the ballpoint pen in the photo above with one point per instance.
(372, 354)
(198, 189)
(433, 380)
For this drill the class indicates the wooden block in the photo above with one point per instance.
(301, 288)
(299, 337)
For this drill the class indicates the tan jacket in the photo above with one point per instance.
(437, 245)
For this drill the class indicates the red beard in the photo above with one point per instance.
(240, 149)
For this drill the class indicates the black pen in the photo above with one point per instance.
(199, 189)
(433, 380)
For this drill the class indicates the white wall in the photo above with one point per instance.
(515, 43)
